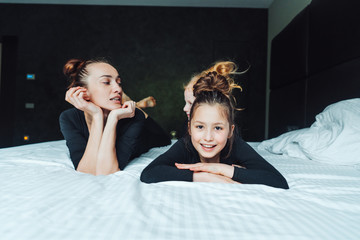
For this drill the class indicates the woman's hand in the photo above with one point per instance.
(78, 97)
(127, 110)
(210, 177)
(214, 168)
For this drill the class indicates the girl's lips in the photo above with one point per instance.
(207, 147)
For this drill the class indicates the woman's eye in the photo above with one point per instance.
(218, 128)
(199, 127)
(106, 83)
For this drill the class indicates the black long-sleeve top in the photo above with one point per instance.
(257, 170)
(132, 135)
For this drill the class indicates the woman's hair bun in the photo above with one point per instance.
(73, 70)
(72, 66)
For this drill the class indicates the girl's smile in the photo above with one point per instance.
(209, 130)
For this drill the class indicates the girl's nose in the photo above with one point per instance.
(208, 135)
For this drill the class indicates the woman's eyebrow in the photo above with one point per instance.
(109, 76)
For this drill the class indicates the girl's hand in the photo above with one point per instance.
(210, 177)
(234, 165)
(78, 97)
(127, 110)
(214, 168)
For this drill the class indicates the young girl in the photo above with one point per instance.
(103, 132)
(210, 152)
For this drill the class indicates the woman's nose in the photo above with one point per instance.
(117, 88)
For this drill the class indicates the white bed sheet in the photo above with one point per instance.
(43, 197)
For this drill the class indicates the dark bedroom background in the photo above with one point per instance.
(155, 49)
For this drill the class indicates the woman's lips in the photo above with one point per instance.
(116, 100)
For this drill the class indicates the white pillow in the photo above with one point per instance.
(333, 138)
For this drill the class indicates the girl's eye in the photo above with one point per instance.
(218, 128)
(106, 83)
(199, 127)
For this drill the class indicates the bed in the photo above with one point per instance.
(314, 143)
(43, 197)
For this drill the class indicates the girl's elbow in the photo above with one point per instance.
(283, 184)
(146, 177)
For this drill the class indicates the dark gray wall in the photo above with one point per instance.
(155, 49)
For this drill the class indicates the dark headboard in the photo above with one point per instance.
(315, 61)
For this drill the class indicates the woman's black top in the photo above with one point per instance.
(134, 136)
(257, 170)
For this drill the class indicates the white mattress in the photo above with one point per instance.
(43, 197)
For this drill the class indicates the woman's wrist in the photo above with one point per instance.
(112, 118)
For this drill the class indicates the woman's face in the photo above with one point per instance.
(189, 100)
(209, 130)
(104, 86)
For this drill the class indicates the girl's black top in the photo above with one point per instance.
(257, 170)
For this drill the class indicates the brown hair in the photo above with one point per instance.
(224, 68)
(76, 71)
(214, 88)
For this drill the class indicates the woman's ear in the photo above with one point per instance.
(231, 131)
(87, 95)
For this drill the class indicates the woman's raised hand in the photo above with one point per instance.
(127, 110)
(78, 97)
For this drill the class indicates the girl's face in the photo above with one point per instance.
(189, 100)
(104, 86)
(209, 130)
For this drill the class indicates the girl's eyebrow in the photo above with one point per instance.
(217, 123)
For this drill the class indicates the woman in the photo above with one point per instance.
(103, 132)
(212, 152)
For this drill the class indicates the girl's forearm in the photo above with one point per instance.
(210, 177)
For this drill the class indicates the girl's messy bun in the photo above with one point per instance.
(212, 81)
(224, 68)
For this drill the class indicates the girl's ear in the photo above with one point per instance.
(231, 131)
